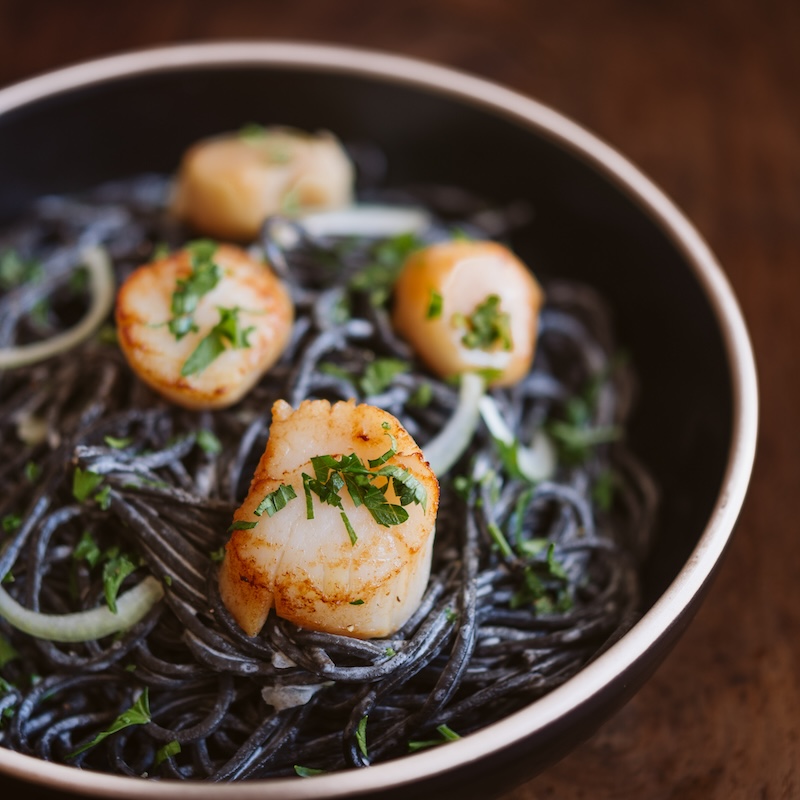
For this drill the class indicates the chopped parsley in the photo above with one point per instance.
(33, 471)
(361, 736)
(84, 482)
(380, 373)
(241, 525)
(118, 444)
(421, 396)
(167, 751)
(208, 442)
(8, 653)
(137, 714)
(366, 484)
(307, 772)
(11, 522)
(358, 602)
(117, 567)
(335, 371)
(486, 327)
(544, 581)
(603, 490)
(446, 733)
(227, 332)
(275, 501)
(204, 277)
(377, 279)
(87, 550)
(435, 305)
(217, 555)
(14, 270)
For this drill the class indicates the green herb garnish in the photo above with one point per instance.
(307, 772)
(84, 482)
(358, 602)
(11, 522)
(33, 471)
(421, 396)
(167, 751)
(486, 327)
(361, 736)
(208, 442)
(227, 332)
(87, 550)
(217, 555)
(366, 485)
(377, 279)
(435, 305)
(446, 733)
(14, 270)
(544, 582)
(117, 444)
(115, 570)
(241, 525)
(137, 714)
(275, 501)
(204, 277)
(8, 653)
(380, 373)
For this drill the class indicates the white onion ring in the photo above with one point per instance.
(445, 449)
(84, 626)
(101, 283)
(536, 462)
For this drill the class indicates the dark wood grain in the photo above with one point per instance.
(704, 97)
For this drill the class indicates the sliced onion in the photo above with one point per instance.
(101, 283)
(371, 221)
(84, 626)
(537, 462)
(446, 448)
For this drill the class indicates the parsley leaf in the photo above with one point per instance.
(380, 373)
(208, 442)
(544, 582)
(14, 270)
(169, 749)
(8, 652)
(377, 279)
(137, 714)
(87, 550)
(486, 327)
(84, 482)
(275, 501)
(307, 772)
(361, 736)
(115, 570)
(242, 525)
(435, 305)
(117, 444)
(214, 344)
(11, 522)
(204, 277)
(446, 733)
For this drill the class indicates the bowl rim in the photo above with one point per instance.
(679, 596)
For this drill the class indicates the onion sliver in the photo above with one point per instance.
(445, 449)
(536, 462)
(84, 626)
(101, 283)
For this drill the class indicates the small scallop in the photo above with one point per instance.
(310, 570)
(246, 289)
(228, 185)
(438, 293)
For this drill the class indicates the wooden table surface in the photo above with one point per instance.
(705, 98)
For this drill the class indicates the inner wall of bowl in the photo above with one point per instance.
(584, 228)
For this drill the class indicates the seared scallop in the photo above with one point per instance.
(336, 533)
(467, 306)
(228, 185)
(202, 325)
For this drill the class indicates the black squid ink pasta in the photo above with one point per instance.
(102, 482)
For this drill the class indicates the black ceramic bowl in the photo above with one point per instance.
(599, 220)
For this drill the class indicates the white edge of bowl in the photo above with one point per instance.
(572, 137)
